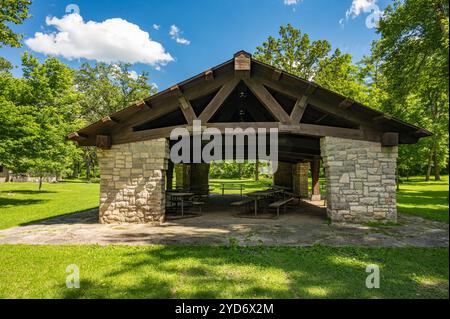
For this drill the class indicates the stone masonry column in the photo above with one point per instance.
(315, 186)
(182, 176)
(283, 175)
(361, 181)
(200, 178)
(300, 173)
(132, 182)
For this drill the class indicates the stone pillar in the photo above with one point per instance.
(132, 182)
(315, 186)
(182, 175)
(200, 178)
(361, 181)
(283, 175)
(300, 173)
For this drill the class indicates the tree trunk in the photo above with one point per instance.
(88, 171)
(437, 171)
(40, 182)
(430, 158)
(256, 171)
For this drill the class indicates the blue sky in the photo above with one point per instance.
(204, 32)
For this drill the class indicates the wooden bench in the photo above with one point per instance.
(281, 203)
(239, 187)
(199, 205)
(242, 203)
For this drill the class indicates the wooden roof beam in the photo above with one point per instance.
(109, 120)
(242, 64)
(142, 104)
(103, 141)
(187, 109)
(301, 104)
(268, 101)
(345, 104)
(209, 75)
(218, 100)
(75, 136)
(382, 118)
(276, 75)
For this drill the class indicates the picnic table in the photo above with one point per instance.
(231, 187)
(260, 195)
(180, 197)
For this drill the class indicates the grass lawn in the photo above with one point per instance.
(21, 203)
(213, 272)
(221, 272)
(232, 186)
(425, 199)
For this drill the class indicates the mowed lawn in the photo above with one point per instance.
(21, 203)
(424, 199)
(221, 272)
(209, 271)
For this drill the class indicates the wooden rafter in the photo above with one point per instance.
(321, 131)
(299, 109)
(260, 78)
(269, 102)
(218, 100)
(301, 104)
(187, 109)
(75, 136)
(209, 75)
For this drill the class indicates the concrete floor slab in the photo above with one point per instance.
(302, 225)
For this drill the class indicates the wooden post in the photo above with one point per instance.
(169, 175)
(315, 170)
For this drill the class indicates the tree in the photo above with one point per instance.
(413, 58)
(36, 112)
(107, 88)
(294, 52)
(12, 11)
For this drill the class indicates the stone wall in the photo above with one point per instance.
(199, 178)
(283, 175)
(361, 181)
(300, 183)
(183, 176)
(132, 182)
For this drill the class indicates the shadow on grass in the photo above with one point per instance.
(432, 204)
(4, 202)
(28, 192)
(222, 272)
(84, 216)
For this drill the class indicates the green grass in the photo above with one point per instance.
(221, 272)
(424, 199)
(232, 185)
(22, 203)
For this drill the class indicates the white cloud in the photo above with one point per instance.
(113, 40)
(360, 6)
(175, 33)
(364, 6)
(133, 75)
(291, 2)
(156, 27)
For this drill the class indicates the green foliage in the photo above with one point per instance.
(37, 111)
(50, 101)
(294, 52)
(232, 169)
(12, 11)
(107, 88)
(412, 57)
